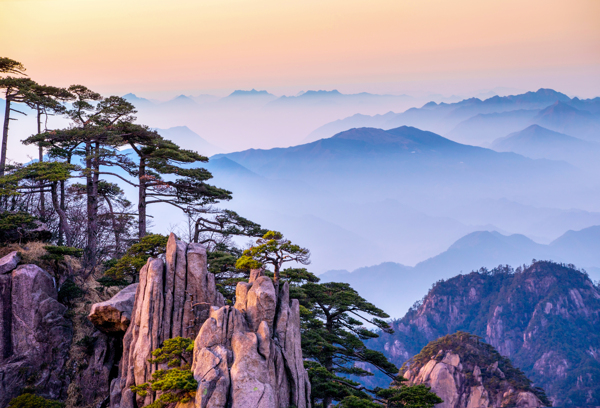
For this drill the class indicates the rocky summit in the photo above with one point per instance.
(468, 373)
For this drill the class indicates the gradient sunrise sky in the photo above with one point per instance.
(158, 48)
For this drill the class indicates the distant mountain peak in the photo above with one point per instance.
(403, 135)
(252, 92)
(133, 98)
(334, 92)
(559, 106)
(550, 92)
(181, 99)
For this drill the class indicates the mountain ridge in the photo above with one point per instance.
(544, 317)
(470, 253)
(448, 118)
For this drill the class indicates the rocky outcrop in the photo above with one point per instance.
(9, 262)
(34, 334)
(247, 355)
(545, 318)
(172, 299)
(114, 315)
(467, 373)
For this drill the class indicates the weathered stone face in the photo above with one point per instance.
(114, 315)
(35, 336)
(265, 366)
(9, 262)
(172, 299)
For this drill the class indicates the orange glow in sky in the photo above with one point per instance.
(161, 48)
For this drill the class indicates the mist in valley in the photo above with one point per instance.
(366, 179)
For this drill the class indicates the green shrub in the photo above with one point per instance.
(126, 269)
(33, 401)
(176, 383)
(69, 291)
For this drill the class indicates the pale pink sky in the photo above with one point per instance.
(161, 48)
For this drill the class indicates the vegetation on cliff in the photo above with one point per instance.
(544, 317)
(176, 383)
(473, 352)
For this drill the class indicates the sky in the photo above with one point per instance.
(158, 48)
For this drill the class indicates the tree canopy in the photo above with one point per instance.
(273, 249)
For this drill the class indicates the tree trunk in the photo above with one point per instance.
(196, 231)
(114, 226)
(328, 358)
(61, 231)
(62, 216)
(92, 205)
(62, 205)
(276, 278)
(41, 159)
(142, 200)
(5, 135)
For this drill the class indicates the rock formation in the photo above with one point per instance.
(114, 315)
(249, 355)
(35, 336)
(9, 262)
(244, 356)
(467, 373)
(545, 318)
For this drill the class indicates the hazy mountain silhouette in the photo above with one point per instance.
(258, 119)
(137, 101)
(252, 92)
(540, 222)
(184, 137)
(572, 121)
(249, 99)
(204, 98)
(179, 102)
(334, 97)
(477, 121)
(540, 143)
(560, 116)
(376, 156)
(354, 121)
(482, 129)
(380, 283)
(590, 105)
(580, 246)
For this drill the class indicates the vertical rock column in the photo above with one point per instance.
(250, 355)
(172, 293)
